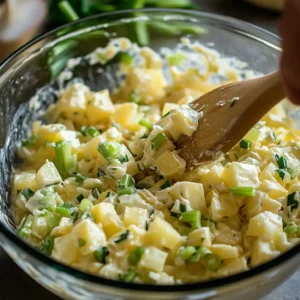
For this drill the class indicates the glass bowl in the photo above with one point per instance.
(34, 67)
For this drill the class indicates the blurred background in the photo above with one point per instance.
(21, 20)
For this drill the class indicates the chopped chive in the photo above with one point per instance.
(85, 205)
(128, 276)
(27, 193)
(281, 161)
(212, 262)
(247, 191)
(47, 245)
(165, 185)
(135, 255)
(291, 229)
(67, 9)
(176, 59)
(281, 173)
(146, 123)
(109, 150)
(166, 114)
(24, 229)
(126, 58)
(273, 136)
(81, 242)
(66, 209)
(80, 198)
(244, 144)
(123, 158)
(200, 253)
(158, 140)
(30, 141)
(122, 237)
(100, 254)
(292, 202)
(89, 131)
(192, 217)
(135, 97)
(80, 178)
(187, 252)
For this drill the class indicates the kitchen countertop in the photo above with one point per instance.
(15, 284)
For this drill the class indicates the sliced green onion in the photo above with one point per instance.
(85, 205)
(126, 58)
(127, 191)
(27, 193)
(187, 252)
(52, 219)
(291, 229)
(80, 178)
(64, 160)
(182, 207)
(146, 123)
(212, 262)
(66, 209)
(128, 276)
(192, 217)
(166, 114)
(100, 254)
(24, 229)
(292, 173)
(281, 161)
(135, 97)
(80, 198)
(247, 191)
(89, 131)
(123, 158)
(210, 224)
(47, 245)
(135, 255)
(158, 140)
(122, 237)
(175, 215)
(141, 33)
(292, 202)
(81, 242)
(30, 141)
(170, 3)
(165, 185)
(100, 173)
(47, 202)
(201, 252)
(126, 181)
(109, 150)
(281, 173)
(176, 59)
(164, 28)
(68, 10)
(100, 7)
(244, 144)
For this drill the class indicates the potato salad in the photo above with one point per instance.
(101, 187)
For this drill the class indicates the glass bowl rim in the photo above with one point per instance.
(187, 287)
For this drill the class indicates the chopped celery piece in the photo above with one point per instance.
(100, 254)
(158, 140)
(67, 9)
(291, 229)
(135, 97)
(128, 276)
(30, 141)
(27, 193)
(176, 59)
(66, 209)
(187, 252)
(212, 262)
(80, 178)
(123, 236)
(81, 242)
(64, 160)
(109, 150)
(47, 245)
(146, 123)
(89, 131)
(24, 229)
(244, 144)
(253, 135)
(247, 191)
(85, 205)
(192, 217)
(135, 255)
(165, 185)
(200, 253)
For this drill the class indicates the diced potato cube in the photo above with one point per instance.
(25, 179)
(66, 248)
(262, 252)
(92, 235)
(199, 237)
(191, 191)
(48, 175)
(213, 177)
(234, 266)
(281, 242)
(222, 207)
(136, 216)
(162, 234)
(153, 259)
(265, 226)
(224, 251)
(271, 205)
(273, 189)
(105, 214)
(99, 107)
(240, 174)
(170, 164)
(254, 204)
(126, 114)
(268, 172)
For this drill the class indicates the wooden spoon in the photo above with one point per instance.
(229, 112)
